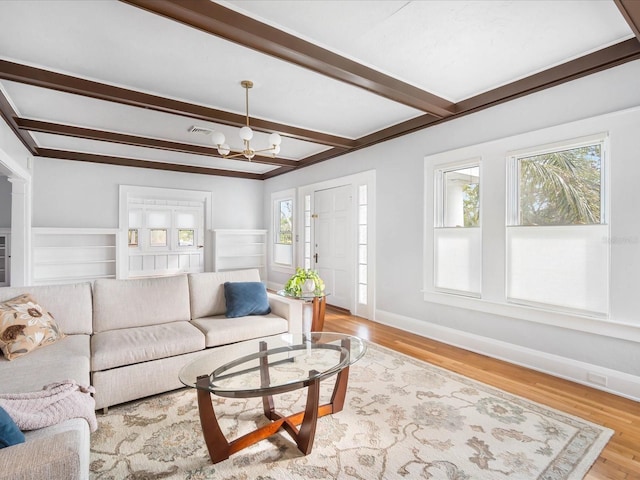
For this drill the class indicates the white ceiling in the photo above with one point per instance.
(453, 49)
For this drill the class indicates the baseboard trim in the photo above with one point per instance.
(618, 383)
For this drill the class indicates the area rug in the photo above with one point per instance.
(403, 418)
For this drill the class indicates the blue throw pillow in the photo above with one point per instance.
(246, 298)
(10, 434)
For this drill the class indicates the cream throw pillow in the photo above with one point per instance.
(25, 326)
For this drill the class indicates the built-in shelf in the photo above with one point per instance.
(68, 255)
(240, 250)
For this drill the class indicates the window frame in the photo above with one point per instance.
(439, 172)
(513, 179)
(512, 220)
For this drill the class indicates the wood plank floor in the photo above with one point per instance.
(621, 457)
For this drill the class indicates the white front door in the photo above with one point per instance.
(332, 245)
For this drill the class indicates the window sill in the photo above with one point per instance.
(582, 323)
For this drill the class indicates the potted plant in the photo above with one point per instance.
(304, 282)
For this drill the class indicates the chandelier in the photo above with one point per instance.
(246, 134)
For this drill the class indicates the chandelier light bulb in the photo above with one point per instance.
(246, 133)
(224, 149)
(217, 138)
(276, 149)
(275, 139)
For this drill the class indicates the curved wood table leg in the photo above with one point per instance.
(307, 433)
(217, 444)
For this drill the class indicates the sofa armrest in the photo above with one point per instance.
(55, 456)
(288, 308)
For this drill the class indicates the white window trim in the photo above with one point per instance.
(276, 198)
(493, 155)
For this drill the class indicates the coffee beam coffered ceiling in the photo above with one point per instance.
(246, 34)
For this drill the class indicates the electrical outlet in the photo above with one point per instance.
(597, 378)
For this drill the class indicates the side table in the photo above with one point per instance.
(317, 301)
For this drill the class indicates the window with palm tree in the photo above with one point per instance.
(561, 187)
(556, 257)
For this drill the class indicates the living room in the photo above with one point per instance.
(598, 349)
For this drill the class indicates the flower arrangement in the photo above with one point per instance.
(304, 281)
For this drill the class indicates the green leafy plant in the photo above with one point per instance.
(295, 285)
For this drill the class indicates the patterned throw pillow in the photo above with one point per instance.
(25, 326)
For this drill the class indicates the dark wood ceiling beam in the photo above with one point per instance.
(609, 57)
(225, 23)
(78, 86)
(630, 10)
(592, 63)
(8, 113)
(137, 141)
(134, 162)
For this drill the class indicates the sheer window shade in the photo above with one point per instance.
(457, 261)
(563, 266)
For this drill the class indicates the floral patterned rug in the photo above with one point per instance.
(403, 418)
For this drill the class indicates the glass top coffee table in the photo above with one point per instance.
(268, 366)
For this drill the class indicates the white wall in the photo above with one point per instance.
(5, 202)
(399, 166)
(75, 194)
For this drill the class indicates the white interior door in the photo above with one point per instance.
(332, 246)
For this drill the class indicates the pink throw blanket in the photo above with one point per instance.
(55, 403)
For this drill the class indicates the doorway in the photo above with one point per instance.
(338, 239)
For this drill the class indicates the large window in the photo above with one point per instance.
(283, 206)
(457, 234)
(556, 255)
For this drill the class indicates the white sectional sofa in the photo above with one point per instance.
(60, 451)
(129, 339)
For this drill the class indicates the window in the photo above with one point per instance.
(283, 210)
(556, 256)
(133, 237)
(158, 237)
(186, 238)
(457, 236)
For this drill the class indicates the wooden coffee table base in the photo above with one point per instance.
(220, 449)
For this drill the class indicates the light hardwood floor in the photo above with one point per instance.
(621, 457)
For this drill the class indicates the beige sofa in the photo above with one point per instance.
(146, 330)
(60, 451)
(129, 340)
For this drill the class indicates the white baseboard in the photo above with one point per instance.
(601, 378)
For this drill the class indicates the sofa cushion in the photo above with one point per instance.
(206, 290)
(10, 434)
(25, 326)
(139, 302)
(68, 358)
(222, 331)
(71, 305)
(246, 298)
(128, 346)
(57, 452)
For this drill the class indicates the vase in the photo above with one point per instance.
(309, 286)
